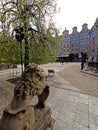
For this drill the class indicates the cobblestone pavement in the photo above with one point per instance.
(71, 108)
(86, 83)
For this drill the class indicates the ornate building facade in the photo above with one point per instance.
(74, 41)
(65, 43)
(84, 37)
(94, 39)
(85, 41)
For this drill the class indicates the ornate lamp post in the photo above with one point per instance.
(19, 37)
(23, 32)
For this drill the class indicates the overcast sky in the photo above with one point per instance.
(76, 13)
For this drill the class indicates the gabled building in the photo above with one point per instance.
(84, 39)
(94, 39)
(65, 43)
(74, 41)
(60, 49)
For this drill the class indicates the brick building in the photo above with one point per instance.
(94, 39)
(74, 41)
(84, 39)
(65, 43)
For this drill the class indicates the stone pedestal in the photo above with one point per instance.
(42, 118)
(19, 114)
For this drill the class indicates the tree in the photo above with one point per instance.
(9, 52)
(44, 54)
(34, 16)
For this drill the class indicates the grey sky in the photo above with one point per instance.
(76, 13)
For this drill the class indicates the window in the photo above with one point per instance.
(96, 27)
(96, 41)
(66, 40)
(72, 45)
(81, 43)
(93, 34)
(82, 37)
(87, 36)
(87, 43)
(70, 38)
(93, 41)
(77, 44)
(67, 45)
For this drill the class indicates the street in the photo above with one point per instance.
(73, 97)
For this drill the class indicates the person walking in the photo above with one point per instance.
(62, 61)
(84, 57)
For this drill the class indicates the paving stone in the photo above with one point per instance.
(52, 92)
(66, 93)
(83, 96)
(70, 105)
(66, 116)
(83, 99)
(54, 114)
(93, 109)
(82, 107)
(75, 94)
(58, 105)
(82, 118)
(69, 87)
(93, 118)
(52, 103)
(60, 125)
(79, 127)
(93, 127)
(71, 98)
(59, 93)
(93, 100)
(58, 79)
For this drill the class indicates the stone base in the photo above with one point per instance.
(42, 118)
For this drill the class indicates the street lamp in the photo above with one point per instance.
(19, 37)
(23, 32)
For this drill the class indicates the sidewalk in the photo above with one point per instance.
(71, 110)
(90, 72)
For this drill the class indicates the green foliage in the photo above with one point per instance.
(44, 51)
(9, 52)
(36, 19)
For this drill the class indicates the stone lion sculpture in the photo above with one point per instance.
(19, 115)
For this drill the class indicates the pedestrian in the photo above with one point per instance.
(62, 61)
(84, 58)
(82, 65)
